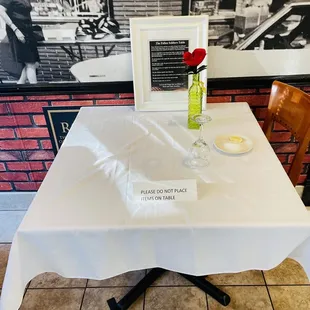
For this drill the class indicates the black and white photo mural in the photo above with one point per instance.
(78, 41)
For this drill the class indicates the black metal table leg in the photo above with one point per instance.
(96, 50)
(69, 52)
(80, 52)
(208, 288)
(110, 50)
(136, 291)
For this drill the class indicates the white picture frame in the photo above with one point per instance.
(190, 29)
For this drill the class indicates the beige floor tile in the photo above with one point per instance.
(4, 255)
(252, 277)
(243, 298)
(175, 298)
(289, 272)
(96, 298)
(126, 279)
(170, 278)
(290, 297)
(53, 280)
(52, 299)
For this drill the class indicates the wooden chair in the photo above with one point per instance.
(290, 107)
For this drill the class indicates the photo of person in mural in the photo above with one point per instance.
(84, 41)
(20, 33)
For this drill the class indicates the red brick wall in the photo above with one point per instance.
(25, 147)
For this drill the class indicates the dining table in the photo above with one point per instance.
(102, 47)
(89, 219)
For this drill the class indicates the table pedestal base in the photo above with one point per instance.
(153, 275)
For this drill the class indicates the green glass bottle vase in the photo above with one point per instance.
(195, 95)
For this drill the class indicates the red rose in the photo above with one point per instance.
(194, 59)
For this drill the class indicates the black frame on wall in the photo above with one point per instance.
(127, 87)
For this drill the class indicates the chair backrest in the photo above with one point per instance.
(290, 107)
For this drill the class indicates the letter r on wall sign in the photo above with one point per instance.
(65, 127)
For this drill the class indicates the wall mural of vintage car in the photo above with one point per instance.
(80, 41)
(280, 45)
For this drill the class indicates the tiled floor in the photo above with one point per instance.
(283, 288)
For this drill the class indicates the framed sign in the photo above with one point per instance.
(59, 121)
(158, 44)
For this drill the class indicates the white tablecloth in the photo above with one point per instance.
(83, 222)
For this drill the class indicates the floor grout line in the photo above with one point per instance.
(144, 297)
(268, 290)
(144, 294)
(207, 301)
(161, 286)
(305, 285)
(83, 295)
(61, 288)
